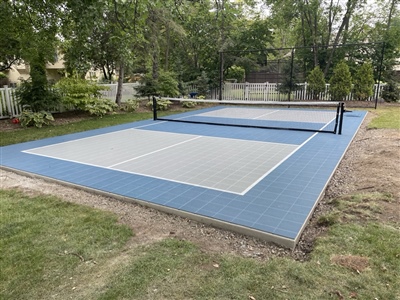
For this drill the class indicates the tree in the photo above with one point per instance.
(340, 82)
(316, 82)
(203, 84)
(36, 94)
(364, 82)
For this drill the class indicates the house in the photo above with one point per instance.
(55, 71)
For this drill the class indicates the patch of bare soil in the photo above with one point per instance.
(372, 163)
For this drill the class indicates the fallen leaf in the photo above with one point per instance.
(341, 297)
(252, 298)
(353, 295)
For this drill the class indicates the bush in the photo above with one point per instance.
(391, 92)
(148, 86)
(38, 119)
(84, 95)
(131, 105)
(340, 82)
(236, 72)
(166, 86)
(364, 82)
(161, 104)
(188, 104)
(99, 107)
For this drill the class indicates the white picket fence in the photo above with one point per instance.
(269, 92)
(9, 107)
(128, 91)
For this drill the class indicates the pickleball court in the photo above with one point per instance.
(261, 182)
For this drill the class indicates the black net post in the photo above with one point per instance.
(221, 74)
(154, 108)
(341, 117)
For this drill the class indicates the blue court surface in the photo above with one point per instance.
(260, 182)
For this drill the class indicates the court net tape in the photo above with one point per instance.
(299, 116)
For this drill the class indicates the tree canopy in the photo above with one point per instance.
(184, 37)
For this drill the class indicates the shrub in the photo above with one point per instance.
(340, 82)
(131, 105)
(99, 107)
(84, 95)
(38, 119)
(188, 104)
(161, 104)
(147, 87)
(236, 72)
(166, 85)
(391, 92)
(364, 82)
(316, 82)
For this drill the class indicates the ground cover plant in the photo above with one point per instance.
(67, 251)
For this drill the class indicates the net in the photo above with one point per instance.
(300, 116)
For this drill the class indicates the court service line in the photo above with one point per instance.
(92, 136)
(150, 153)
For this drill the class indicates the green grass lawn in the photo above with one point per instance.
(50, 249)
(387, 117)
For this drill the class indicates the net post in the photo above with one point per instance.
(154, 108)
(341, 117)
(337, 118)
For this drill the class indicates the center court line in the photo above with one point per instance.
(266, 114)
(144, 155)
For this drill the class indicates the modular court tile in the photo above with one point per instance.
(275, 207)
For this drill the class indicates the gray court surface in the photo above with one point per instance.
(225, 164)
(273, 114)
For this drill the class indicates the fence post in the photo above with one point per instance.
(246, 91)
(306, 96)
(8, 101)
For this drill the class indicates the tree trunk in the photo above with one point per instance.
(118, 97)
(350, 6)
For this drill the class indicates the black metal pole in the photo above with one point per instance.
(291, 75)
(337, 118)
(154, 108)
(221, 74)
(341, 117)
(380, 75)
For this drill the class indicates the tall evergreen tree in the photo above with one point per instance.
(364, 82)
(340, 82)
(316, 82)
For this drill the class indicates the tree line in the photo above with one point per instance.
(179, 40)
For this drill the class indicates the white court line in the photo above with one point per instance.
(277, 165)
(91, 137)
(283, 160)
(165, 148)
(112, 167)
(266, 114)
